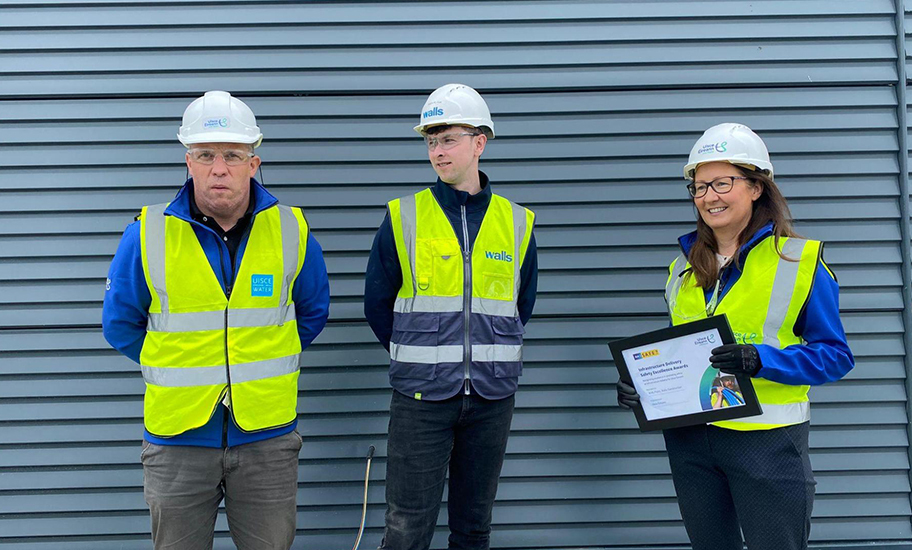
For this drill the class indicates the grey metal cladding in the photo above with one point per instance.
(596, 104)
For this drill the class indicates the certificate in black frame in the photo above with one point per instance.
(751, 405)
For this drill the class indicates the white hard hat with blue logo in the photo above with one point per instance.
(455, 105)
(733, 143)
(217, 117)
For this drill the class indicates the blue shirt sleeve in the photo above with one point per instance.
(825, 357)
(126, 303)
(382, 281)
(310, 294)
(528, 282)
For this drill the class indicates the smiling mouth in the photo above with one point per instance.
(718, 209)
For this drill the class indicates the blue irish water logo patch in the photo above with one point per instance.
(261, 285)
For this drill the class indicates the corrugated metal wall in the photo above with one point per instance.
(596, 106)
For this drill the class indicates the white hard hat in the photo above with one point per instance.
(219, 118)
(729, 142)
(455, 104)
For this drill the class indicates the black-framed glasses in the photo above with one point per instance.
(720, 185)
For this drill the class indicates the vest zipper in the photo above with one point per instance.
(235, 266)
(228, 287)
(467, 297)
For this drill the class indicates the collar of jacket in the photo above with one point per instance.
(180, 205)
(451, 199)
(687, 241)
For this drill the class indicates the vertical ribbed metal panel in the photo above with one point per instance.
(596, 106)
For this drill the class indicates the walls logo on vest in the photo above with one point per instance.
(499, 256)
(645, 354)
(261, 285)
(436, 111)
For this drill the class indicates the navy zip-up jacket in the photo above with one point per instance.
(825, 356)
(384, 276)
(127, 300)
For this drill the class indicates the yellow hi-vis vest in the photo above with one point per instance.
(456, 317)
(762, 308)
(201, 344)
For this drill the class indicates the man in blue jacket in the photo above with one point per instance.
(448, 296)
(216, 294)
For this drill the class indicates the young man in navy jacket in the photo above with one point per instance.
(455, 354)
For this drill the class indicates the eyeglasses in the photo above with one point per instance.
(446, 141)
(720, 185)
(232, 157)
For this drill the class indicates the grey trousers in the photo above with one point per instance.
(183, 487)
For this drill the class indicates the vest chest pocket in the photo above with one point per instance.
(438, 267)
(497, 286)
(413, 346)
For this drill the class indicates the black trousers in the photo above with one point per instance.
(464, 434)
(727, 481)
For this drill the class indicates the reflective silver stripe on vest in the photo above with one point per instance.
(186, 322)
(496, 352)
(428, 304)
(155, 250)
(260, 370)
(783, 288)
(500, 308)
(183, 377)
(429, 355)
(519, 233)
(261, 317)
(679, 265)
(449, 304)
(783, 415)
(408, 213)
(290, 249)
(215, 320)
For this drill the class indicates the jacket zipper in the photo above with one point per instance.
(466, 297)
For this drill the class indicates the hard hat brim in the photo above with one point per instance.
(221, 137)
(423, 128)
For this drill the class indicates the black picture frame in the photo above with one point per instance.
(751, 405)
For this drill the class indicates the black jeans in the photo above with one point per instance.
(467, 434)
(756, 481)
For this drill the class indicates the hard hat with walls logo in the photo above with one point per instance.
(217, 117)
(733, 143)
(455, 104)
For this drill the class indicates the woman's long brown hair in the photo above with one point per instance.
(771, 206)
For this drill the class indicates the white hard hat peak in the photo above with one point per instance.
(729, 142)
(217, 117)
(455, 104)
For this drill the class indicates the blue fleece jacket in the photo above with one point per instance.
(825, 357)
(127, 300)
(384, 276)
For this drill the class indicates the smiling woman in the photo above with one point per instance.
(745, 260)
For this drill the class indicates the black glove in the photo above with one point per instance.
(627, 395)
(736, 359)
